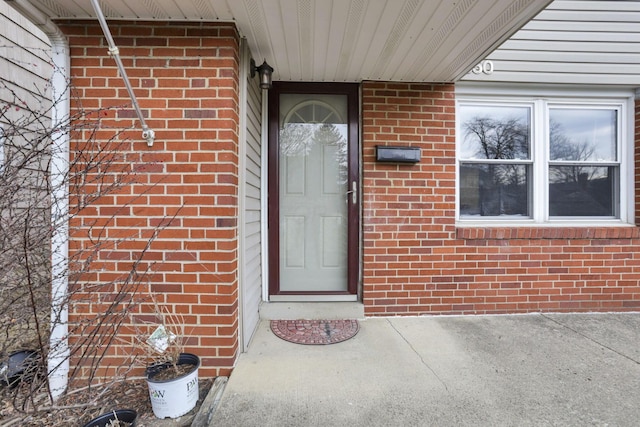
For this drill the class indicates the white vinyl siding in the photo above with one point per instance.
(252, 242)
(25, 109)
(572, 42)
(1, 148)
(25, 63)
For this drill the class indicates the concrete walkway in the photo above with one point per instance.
(537, 370)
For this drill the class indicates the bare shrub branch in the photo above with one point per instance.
(102, 306)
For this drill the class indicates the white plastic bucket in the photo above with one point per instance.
(175, 397)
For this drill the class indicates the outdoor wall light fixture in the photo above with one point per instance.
(264, 71)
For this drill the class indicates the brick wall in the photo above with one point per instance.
(416, 261)
(185, 187)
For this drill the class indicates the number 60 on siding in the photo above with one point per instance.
(485, 67)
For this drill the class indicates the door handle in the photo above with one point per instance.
(353, 192)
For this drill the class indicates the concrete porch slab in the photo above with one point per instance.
(527, 370)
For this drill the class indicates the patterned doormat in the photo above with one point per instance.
(315, 332)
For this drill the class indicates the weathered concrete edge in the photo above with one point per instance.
(210, 403)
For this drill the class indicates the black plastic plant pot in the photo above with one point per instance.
(20, 366)
(126, 416)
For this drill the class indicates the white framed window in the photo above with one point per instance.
(526, 160)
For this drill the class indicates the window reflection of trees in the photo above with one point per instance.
(564, 149)
(502, 187)
(584, 189)
(578, 185)
(499, 139)
(314, 123)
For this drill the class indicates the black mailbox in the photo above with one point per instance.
(397, 154)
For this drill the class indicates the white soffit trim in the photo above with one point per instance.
(346, 40)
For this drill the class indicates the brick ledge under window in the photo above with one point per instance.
(529, 233)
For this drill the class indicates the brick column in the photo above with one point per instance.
(409, 209)
(185, 76)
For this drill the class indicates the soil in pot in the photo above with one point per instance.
(172, 372)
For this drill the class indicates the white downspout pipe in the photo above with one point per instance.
(58, 363)
(58, 357)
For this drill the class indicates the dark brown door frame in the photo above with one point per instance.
(353, 232)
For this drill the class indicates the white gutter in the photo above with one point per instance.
(58, 357)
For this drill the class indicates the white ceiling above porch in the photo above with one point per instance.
(342, 40)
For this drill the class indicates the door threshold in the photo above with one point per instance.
(313, 298)
(311, 310)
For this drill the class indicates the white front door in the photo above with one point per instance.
(316, 192)
(313, 193)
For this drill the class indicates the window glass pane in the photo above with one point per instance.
(582, 134)
(494, 190)
(582, 191)
(495, 132)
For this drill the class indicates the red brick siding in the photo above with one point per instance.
(416, 261)
(185, 76)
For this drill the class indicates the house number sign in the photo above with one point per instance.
(485, 67)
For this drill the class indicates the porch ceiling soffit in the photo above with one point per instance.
(342, 40)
